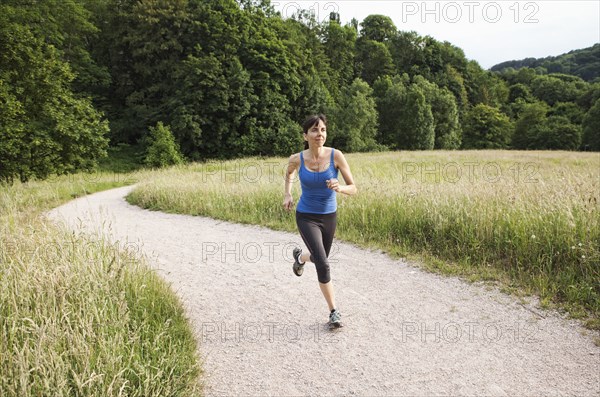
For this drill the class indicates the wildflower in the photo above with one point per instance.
(533, 236)
(572, 247)
(580, 244)
(582, 256)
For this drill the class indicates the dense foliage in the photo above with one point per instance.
(234, 78)
(584, 63)
(46, 127)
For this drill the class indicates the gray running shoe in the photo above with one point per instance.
(298, 267)
(335, 319)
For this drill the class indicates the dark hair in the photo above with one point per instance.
(310, 122)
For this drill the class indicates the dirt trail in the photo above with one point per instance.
(262, 329)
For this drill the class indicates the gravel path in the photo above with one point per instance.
(262, 330)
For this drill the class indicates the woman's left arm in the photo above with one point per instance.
(341, 163)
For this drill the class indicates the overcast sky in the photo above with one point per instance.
(489, 32)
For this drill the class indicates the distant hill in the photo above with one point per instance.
(584, 63)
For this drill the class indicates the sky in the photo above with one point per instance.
(489, 32)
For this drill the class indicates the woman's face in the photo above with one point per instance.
(316, 134)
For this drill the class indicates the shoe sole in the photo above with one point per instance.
(335, 325)
(297, 267)
(298, 272)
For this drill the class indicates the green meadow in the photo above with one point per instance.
(525, 221)
(83, 316)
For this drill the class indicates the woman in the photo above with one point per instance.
(317, 168)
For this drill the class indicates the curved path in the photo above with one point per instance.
(408, 332)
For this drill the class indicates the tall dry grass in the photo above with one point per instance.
(528, 219)
(80, 316)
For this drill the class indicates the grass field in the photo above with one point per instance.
(527, 220)
(80, 316)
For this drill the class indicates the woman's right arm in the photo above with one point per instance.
(292, 168)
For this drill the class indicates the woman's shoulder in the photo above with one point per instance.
(339, 159)
(295, 158)
(337, 154)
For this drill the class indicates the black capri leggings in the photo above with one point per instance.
(317, 231)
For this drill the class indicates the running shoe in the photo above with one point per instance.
(335, 319)
(298, 267)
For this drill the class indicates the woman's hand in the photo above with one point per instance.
(292, 168)
(288, 202)
(333, 184)
(341, 163)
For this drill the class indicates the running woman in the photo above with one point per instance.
(317, 168)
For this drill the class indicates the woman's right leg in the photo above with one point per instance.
(310, 227)
(328, 226)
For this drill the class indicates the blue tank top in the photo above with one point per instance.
(316, 197)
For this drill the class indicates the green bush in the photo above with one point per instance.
(486, 128)
(162, 150)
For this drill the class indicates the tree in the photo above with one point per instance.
(453, 56)
(527, 127)
(557, 88)
(583, 63)
(406, 49)
(67, 26)
(589, 96)
(524, 76)
(373, 60)
(212, 100)
(378, 28)
(12, 133)
(591, 128)
(445, 114)
(453, 80)
(570, 110)
(519, 91)
(148, 44)
(314, 98)
(355, 119)
(485, 87)
(417, 126)
(318, 81)
(405, 117)
(161, 151)
(275, 76)
(486, 127)
(45, 128)
(558, 133)
(433, 62)
(339, 44)
(389, 96)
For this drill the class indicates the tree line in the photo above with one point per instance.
(584, 63)
(233, 78)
